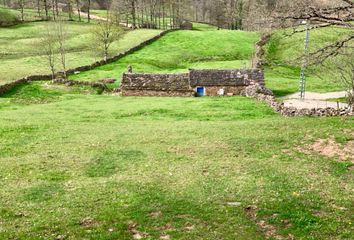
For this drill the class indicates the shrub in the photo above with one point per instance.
(7, 18)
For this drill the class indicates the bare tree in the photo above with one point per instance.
(339, 15)
(53, 9)
(78, 9)
(88, 11)
(38, 2)
(341, 69)
(133, 13)
(70, 9)
(21, 5)
(48, 47)
(61, 35)
(46, 9)
(104, 34)
(346, 70)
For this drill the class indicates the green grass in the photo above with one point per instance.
(180, 50)
(39, 93)
(284, 73)
(104, 167)
(19, 57)
(340, 100)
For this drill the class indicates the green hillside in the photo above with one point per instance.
(19, 54)
(178, 51)
(284, 71)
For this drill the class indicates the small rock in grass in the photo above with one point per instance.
(155, 214)
(189, 228)
(19, 214)
(137, 236)
(87, 222)
(235, 204)
(165, 237)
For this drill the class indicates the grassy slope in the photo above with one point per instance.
(167, 164)
(283, 76)
(203, 47)
(19, 58)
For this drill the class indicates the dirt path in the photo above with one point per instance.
(95, 17)
(315, 100)
(317, 96)
(99, 18)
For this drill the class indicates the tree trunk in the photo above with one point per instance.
(56, 7)
(163, 16)
(88, 11)
(78, 9)
(21, 5)
(46, 9)
(53, 9)
(70, 10)
(39, 8)
(133, 14)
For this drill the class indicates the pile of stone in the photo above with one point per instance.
(70, 83)
(257, 61)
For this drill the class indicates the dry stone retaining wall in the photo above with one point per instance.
(263, 94)
(98, 85)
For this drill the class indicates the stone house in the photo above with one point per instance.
(186, 25)
(207, 82)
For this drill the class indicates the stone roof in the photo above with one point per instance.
(156, 82)
(231, 77)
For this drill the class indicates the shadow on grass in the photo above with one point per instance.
(154, 212)
(282, 92)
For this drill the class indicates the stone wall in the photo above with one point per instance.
(151, 93)
(7, 87)
(265, 95)
(156, 85)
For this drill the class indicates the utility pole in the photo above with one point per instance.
(305, 61)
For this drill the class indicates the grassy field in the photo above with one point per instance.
(284, 73)
(78, 165)
(86, 166)
(18, 44)
(178, 51)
